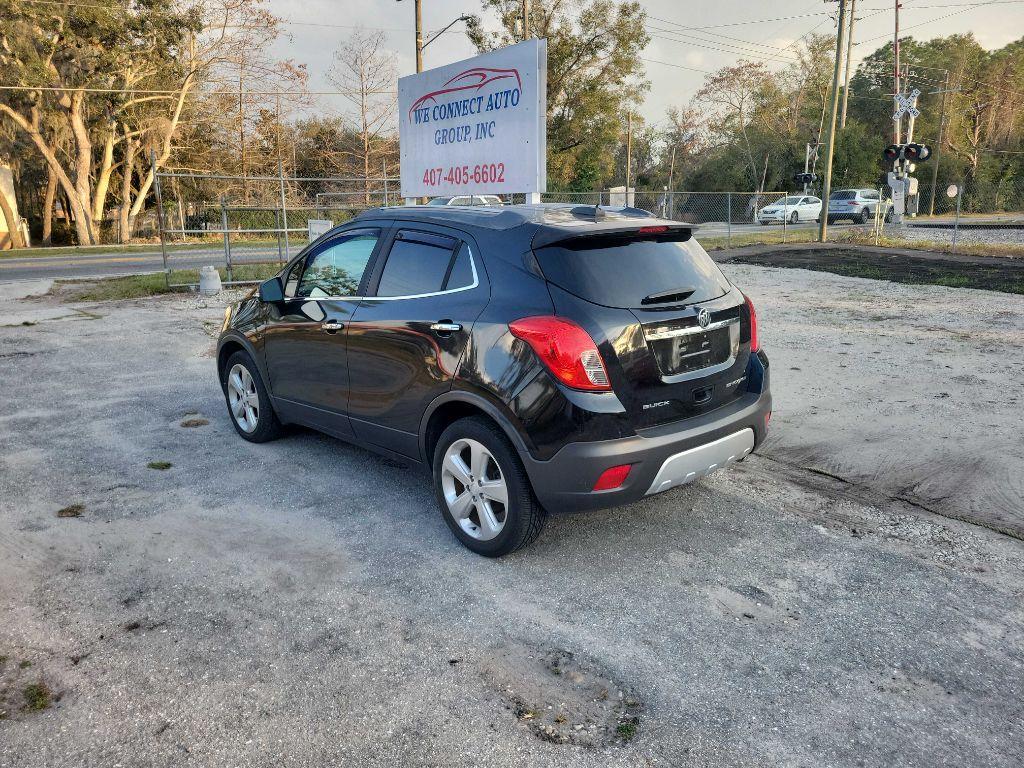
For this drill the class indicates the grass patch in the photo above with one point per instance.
(71, 510)
(155, 284)
(194, 422)
(161, 465)
(24, 664)
(37, 697)
(858, 237)
(627, 729)
(3, 660)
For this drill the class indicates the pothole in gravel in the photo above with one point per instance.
(563, 699)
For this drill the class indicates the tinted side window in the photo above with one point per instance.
(338, 269)
(418, 263)
(462, 271)
(291, 280)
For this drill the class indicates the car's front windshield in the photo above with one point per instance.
(789, 201)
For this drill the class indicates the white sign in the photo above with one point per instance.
(906, 104)
(476, 126)
(952, 190)
(318, 227)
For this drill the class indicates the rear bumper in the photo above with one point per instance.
(660, 458)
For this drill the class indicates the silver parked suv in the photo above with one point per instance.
(857, 205)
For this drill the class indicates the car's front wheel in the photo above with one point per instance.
(248, 400)
(794, 218)
(482, 489)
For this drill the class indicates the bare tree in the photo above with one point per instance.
(732, 92)
(364, 71)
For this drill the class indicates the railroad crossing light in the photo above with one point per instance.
(805, 178)
(892, 153)
(917, 152)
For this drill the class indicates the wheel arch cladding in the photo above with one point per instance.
(439, 416)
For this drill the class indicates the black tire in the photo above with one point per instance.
(794, 218)
(862, 217)
(888, 216)
(268, 427)
(524, 517)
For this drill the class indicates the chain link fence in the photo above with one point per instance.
(248, 226)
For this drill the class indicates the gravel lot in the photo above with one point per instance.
(302, 603)
(1003, 236)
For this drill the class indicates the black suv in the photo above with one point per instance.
(535, 359)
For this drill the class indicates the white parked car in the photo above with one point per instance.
(467, 200)
(792, 209)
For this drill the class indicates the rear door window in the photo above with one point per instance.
(419, 263)
(629, 273)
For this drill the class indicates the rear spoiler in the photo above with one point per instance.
(618, 226)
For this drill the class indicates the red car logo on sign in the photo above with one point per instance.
(471, 80)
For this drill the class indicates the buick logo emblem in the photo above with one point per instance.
(703, 318)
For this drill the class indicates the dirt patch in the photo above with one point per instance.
(996, 274)
(563, 699)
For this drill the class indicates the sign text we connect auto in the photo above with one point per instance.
(423, 111)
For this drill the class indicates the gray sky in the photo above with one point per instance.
(702, 39)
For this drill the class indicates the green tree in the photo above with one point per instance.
(595, 76)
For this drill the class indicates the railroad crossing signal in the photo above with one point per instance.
(905, 105)
(912, 153)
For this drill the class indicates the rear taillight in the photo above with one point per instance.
(754, 346)
(566, 349)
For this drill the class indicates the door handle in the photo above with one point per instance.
(445, 327)
(331, 326)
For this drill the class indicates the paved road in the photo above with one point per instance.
(93, 263)
(97, 263)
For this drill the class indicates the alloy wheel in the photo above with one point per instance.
(474, 489)
(243, 398)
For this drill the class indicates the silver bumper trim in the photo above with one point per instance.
(697, 462)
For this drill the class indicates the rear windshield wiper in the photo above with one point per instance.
(673, 295)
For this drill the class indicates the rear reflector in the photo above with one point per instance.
(652, 230)
(612, 477)
(754, 345)
(566, 349)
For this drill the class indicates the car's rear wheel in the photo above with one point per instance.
(248, 400)
(862, 217)
(482, 489)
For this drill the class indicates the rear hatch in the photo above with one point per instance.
(673, 332)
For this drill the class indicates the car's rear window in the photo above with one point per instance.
(846, 194)
(618, 271)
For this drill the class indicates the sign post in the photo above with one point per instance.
(477, 126)
(954, 190)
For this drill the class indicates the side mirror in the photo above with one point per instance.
(271, 290)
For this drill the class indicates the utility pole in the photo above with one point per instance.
(827, 188)
(849, 50)
(896, 73)
(938, 144)
(526, 19)
(629, 153)
(419, 35)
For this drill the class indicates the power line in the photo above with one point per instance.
(732, 49)
(932, 21)
(134, 91)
